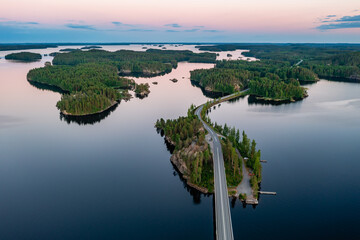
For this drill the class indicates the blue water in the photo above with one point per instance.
(312, 149)
(113, 179)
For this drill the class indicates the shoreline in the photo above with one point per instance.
(178, 163)
(277, 101)
(59, 89)
(233, 191)
(62, 91)
(90, 114)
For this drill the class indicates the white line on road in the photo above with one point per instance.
(221, 195)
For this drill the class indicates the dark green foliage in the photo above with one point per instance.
(181, 131)
(24, 56)
(8, 47)
(221, 80)
(93, 75)
(218, 48)
(88, 102)
(278, 69)
(150, 56)
(142, 89)
(69, 50)
(91, 47)
(150, 63)
(233, 164)
(325, 60)
(143, 68)
(186, 132)
(246, 149)
(73, 79)
(91, 87)
(276, 89)
(328, 61)
(329, 71)
(230, 76)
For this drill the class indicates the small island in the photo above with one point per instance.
(24, 56)
(69, 49)
(142, 90)
(90, 47)
(25, 46)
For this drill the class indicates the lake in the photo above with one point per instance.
(111, 178)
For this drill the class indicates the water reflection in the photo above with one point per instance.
(89, 119)
(43, 86)
(207, 93)
(9, 121)
(252, 100)
(196, 194)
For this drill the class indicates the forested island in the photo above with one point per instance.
(237, 149)
(24, 56)
(8, 47)
(191, 155)
(330, 61)
(281, 69)
(132, 63)
(69, 49)
(90, 88)
(142, 90)
(90, 47)
(232, 145)
(268, 80)
(91, 82)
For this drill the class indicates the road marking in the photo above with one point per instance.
(221, 195)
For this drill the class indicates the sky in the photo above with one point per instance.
(318, 21)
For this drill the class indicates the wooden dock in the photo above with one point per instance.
(252, 201)
(267, 193)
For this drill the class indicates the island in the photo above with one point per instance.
(90, 47)
(191, 153)
(269, 80)
(8, 47)
(331, 61)
(93, 81)
(69, 49)
(142, 90)
(88, 88)
(24, 56)
(149, 63)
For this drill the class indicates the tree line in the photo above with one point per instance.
(91, 87)
(247, 149)
(183, 132)
(269, 79)
(24, 56)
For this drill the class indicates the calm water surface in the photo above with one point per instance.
(113, 179)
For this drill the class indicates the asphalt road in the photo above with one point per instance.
(222, 209)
